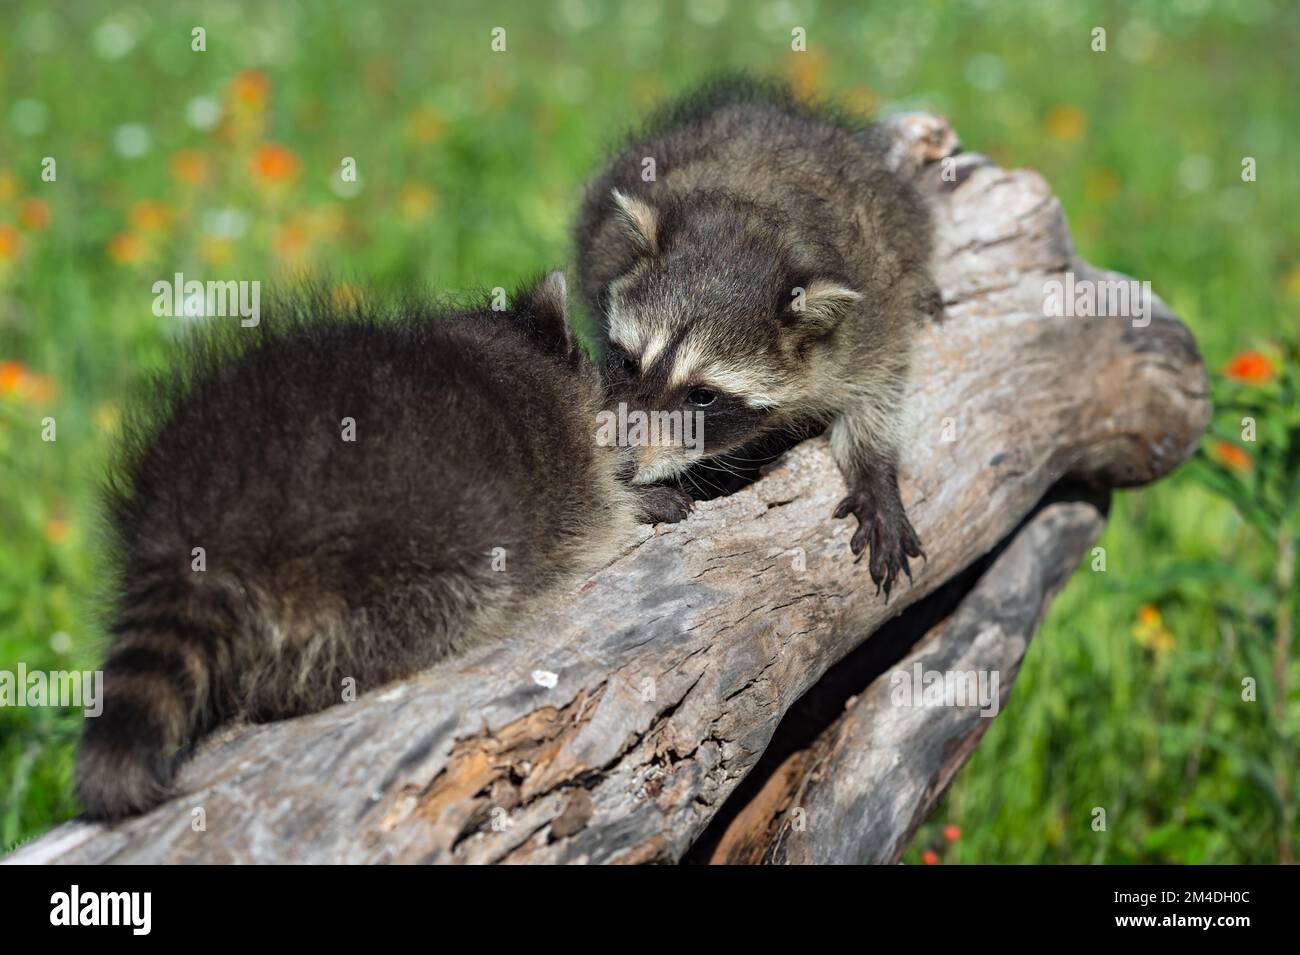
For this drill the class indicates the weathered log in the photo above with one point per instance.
(857, 793)
(614, 726)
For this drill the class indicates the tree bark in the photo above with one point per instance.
(617, 723)
(857, 793)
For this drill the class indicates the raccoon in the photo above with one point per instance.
(770, 274)
(331, 497)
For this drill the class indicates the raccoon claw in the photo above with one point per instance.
(889, 535)
(661, 504)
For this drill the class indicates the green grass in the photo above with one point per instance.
(470, 165)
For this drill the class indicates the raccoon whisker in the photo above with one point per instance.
(722, 467)
(743, 460)
(695, 478)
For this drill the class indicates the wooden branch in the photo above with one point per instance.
(614, 727)
(858, 792)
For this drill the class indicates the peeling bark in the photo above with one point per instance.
(674, 665)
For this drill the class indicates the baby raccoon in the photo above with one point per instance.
(341, 494)
(755, 260)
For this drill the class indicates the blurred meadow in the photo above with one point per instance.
(225, 164)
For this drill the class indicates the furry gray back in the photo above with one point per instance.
(338, 496)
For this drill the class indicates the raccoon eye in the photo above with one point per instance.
(701, 397)
(621, 361)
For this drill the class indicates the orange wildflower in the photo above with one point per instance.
(149, 215)
(415, 200)
(806, 69)
(11, 244)
(1251, 367)
(18, 380)
(273, 163)
(34, 215)
(291, 240)
(12, 374)
(189, 166)
(952, 833)
(250, 88)
(425, 124)
(215, 251)
(930, 857)
(1150, 629)
(1231, 456)
(56, 530)
(327, 224)
(125, 248)
(40, 388)
(1066, 122)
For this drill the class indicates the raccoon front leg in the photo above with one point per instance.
(661, 504)
(868, 460)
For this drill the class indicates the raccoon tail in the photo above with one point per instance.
(168, 677)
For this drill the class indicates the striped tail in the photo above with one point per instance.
(164, 684)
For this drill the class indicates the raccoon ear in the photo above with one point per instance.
(544, 307)
(550, 297)
(821, 304)
(640, 220)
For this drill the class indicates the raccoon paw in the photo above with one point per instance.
(888, 533)
(661, 504)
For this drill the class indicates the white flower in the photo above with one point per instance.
(113, 40)
(203, 112)
(131, 140)
(225, 223)
(29, 117)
